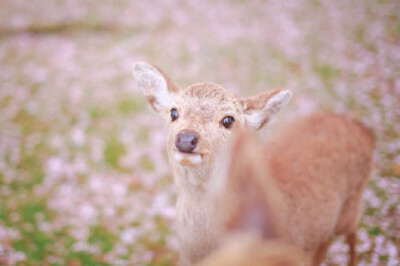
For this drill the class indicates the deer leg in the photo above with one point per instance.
(319, 255)
(351, 240)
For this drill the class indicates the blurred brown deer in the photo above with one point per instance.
(245, 213)
(303, 186)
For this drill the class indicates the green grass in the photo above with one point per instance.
(113, 151)
(146, 163)
(130, 106)
(101, 237)
(374, 231)
(84, 258)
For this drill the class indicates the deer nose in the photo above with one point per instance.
(186, 140)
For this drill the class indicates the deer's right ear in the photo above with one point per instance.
(259, 109)
(155, 85)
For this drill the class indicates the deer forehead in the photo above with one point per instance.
(207, 101)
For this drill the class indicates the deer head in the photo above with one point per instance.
(202, 116)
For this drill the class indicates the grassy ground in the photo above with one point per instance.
(83, 173)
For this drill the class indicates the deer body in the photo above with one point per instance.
(305, 184)
(318, 185)
(320, 165)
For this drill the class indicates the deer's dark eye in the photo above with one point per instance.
(227, 121)
(174, 114)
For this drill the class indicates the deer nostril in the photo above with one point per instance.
(186, 140)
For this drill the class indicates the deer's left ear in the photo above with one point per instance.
(155, 85)
(259, 109)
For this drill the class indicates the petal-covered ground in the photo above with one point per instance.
(84, 178)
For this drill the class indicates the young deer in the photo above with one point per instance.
(317, 166)
(201, 119)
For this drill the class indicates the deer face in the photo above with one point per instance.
(202, 116)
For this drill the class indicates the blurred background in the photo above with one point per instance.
(84, 178)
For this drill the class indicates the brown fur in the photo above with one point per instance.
(245, 214)
(309, 177)
(330, 159)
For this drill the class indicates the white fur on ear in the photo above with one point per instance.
(153, 85)
(256, 118)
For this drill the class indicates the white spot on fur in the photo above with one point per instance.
(152, 83)
(188, 158)
(255, 118)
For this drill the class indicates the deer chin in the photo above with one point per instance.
(188, 159)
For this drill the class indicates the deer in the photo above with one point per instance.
(318, 165)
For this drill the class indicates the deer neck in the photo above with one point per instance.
(192, 179)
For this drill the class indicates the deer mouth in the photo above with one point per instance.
(188, 158)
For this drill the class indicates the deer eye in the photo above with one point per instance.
(174, 114)
(227, 121)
